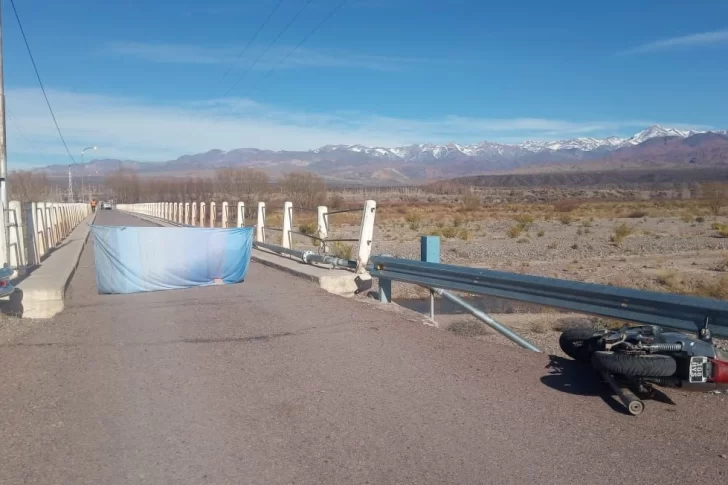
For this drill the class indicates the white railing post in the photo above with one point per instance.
(322, 226)
(213, 213)
(33, 235)
(180, 212)
(241, 214)
(193, 217)
(225, 210)
(260, 223)
(203, 214)
(366, 235)
(286, 238)
(187, 213)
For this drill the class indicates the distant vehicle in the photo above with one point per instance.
(106, 206)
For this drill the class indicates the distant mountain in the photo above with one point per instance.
(655, 146)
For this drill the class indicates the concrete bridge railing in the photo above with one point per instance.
(204, 214)
(35, 229)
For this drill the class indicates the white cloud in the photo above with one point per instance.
(702, 39)
(131, 128)
(273, 58)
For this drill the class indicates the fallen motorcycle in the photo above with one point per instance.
(635, 359)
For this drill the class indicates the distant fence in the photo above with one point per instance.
(205, 214)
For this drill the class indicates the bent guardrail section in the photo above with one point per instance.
(687, 313)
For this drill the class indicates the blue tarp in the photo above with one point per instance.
(135, 259)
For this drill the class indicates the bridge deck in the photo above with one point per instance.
(275, 381)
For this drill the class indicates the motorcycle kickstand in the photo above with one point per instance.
(633, 404)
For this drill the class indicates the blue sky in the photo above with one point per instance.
(147, 80)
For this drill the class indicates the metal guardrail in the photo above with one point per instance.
(687, 313)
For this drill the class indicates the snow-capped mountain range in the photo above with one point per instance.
(655, 147)
(484, 148)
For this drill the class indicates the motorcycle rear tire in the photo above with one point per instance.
(635, 365)
(575, 342)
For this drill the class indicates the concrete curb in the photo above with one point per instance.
(337, 281)
(41, 294)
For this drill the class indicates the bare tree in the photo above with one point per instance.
(241, 184)
(124, 185)
(27, 186)
(305, 189)
(716, 194)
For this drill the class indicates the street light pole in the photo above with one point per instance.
(83, 186)
(3, 159)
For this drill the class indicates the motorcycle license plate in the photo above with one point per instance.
(697, 369)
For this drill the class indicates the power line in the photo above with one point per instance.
(245, 49)
(17, 125)
(37, 74)
(280, 34)
(313, 31)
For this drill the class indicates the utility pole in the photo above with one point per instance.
(3, 156)
(70, 185)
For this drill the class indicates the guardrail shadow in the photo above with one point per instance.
(487, 304)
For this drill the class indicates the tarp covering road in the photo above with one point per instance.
(136, 259)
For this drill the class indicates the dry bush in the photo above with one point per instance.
(525, 221)
(637, 214)
(304, 189)
(414, 220)
(341, 250)
(471, 203)
(671, 280)
(721, 228)
(540, 233)
(713, 289)
(449, 232)
(514, 231)
(716, 195)
(620, 233)
(308, 228)
(565, 219)
(566, 205)
(465, 235)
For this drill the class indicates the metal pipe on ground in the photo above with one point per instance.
(488, 320)
(307, 257)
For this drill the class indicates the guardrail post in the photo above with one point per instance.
(203, 213)
(187, 213)
(225, 213)
(322, 226)
(260, 224)
(241, 214)
(193, 218)
(430, 253)
(286, 238)
(180, 213)
(366, 236)
(213, 213)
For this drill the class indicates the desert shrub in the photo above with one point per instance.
(514, 231)
(414, 220)
(620, 233)
(342, 250)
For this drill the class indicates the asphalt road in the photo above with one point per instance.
(274, 381)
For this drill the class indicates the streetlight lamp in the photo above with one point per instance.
(70, 175)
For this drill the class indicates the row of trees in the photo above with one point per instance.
(233, 184)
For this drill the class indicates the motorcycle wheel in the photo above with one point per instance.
(575, 342)
(634, 365)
